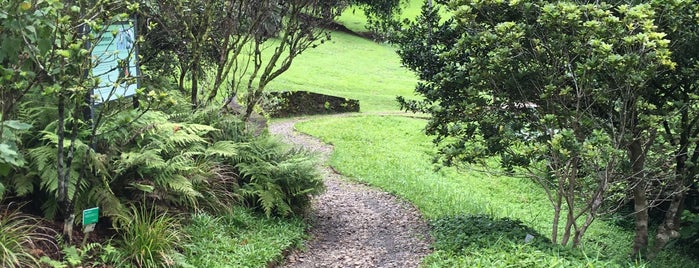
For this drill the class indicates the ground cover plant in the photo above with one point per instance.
(399, 162)
(240, 239)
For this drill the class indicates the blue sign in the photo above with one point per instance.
(114, 62)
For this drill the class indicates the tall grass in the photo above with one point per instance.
(19, 236)
(149, 238)
(393, 154)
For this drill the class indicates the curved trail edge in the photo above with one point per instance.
(354, 225)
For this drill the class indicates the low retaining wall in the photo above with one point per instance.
(294, 103)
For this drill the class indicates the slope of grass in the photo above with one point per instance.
(352, 67)
(392, 153)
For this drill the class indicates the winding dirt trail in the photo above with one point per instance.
(355, 225)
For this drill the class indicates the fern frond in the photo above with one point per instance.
(182, 162)
(182, 186)
(109, 203)
(182, 139)
(198, 129)
(225, 149)
(52, 138)
(50, 207)
(23, 185)
(148, 159)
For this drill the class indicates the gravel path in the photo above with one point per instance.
(355, 225)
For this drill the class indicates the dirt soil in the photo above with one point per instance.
(354, 225)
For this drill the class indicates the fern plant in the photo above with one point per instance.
(176, 162)
(87, 173)
(276, 178)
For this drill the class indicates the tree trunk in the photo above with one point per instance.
(556, 219)
(640, 200)
(596, 203)
(183, 76)
(669, 229)
(195, 84)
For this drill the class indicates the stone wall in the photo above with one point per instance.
(294, 103)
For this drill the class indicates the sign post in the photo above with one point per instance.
(90, 217)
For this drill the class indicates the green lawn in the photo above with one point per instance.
(354, 19)
(354, 67)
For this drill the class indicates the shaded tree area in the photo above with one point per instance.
(593, 101)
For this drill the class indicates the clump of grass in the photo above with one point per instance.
(19, 235)
(149, 238)
(240, 239)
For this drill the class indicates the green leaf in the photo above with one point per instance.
(143, 187)
(14, 124)
(4, 169)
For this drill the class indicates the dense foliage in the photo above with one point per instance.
(135, 159)
(575, 95)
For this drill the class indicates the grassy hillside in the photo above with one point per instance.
(352, 67)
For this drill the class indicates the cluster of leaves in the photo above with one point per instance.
(455, 233)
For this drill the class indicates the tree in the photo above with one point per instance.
(679, 131)
(550, 88)
(46, 67)
(240, 46)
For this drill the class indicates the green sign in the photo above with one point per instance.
(91, 215)
(114, 59)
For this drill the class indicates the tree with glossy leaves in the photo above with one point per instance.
(551, 89)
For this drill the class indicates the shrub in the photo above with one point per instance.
(19, 234)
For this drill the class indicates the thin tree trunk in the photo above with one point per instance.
(597, 200)
(556, 219)
(183, 76)
(195, 84)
